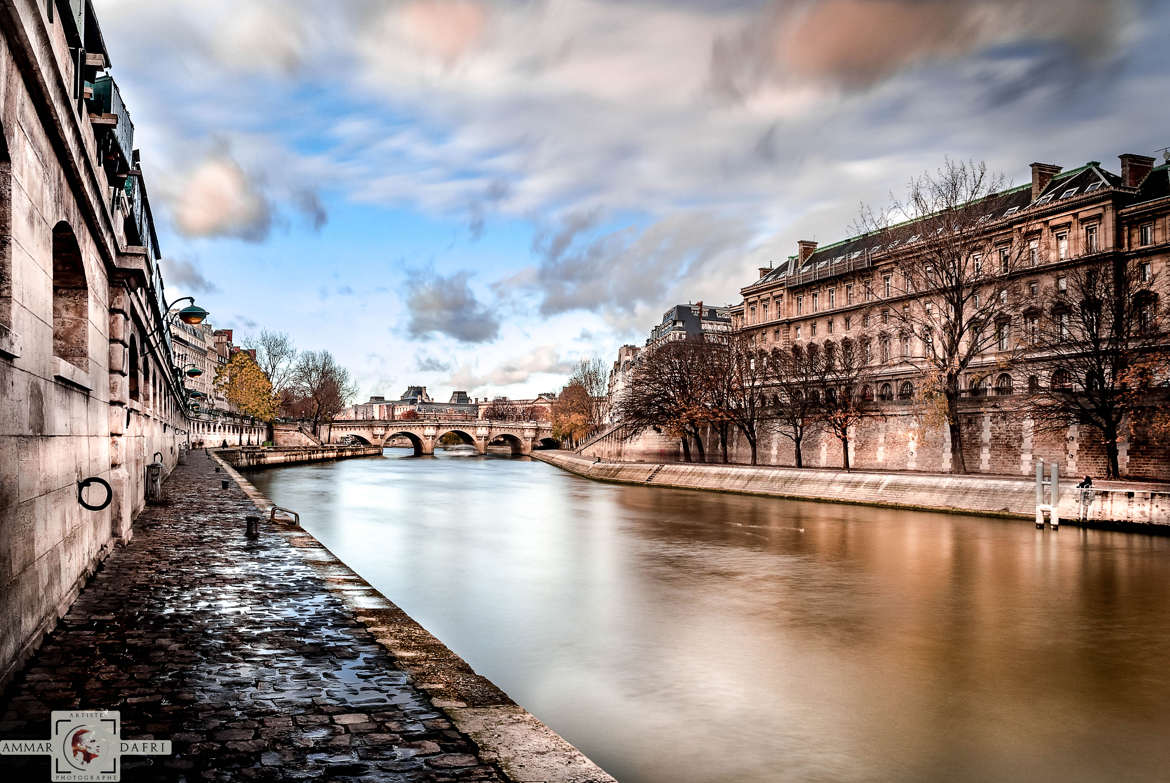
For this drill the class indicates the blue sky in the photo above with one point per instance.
(475, 195)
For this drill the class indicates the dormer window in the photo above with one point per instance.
(1044, 199)
(1011, 211)
(1069, 193)
(1093, 186)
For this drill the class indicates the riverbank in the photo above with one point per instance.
(263, 658)
(507, 735)
(1139, 507)
(265, 456)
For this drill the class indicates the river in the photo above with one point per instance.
(677, 635)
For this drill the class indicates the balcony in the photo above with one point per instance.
(113, 129)
(826, 269)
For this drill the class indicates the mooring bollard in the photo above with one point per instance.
(253, 526)
(223, 483)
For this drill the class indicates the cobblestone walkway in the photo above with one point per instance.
(234, 650)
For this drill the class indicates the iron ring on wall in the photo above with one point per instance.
(81, 485)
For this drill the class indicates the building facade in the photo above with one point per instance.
(690, 321)
(849, 290)
(89, 391)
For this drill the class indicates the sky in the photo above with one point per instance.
(476, 195)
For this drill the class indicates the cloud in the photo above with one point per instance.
(183, 274)
(219, 199)
(427, 363)
(444, 29)
(446, 305)
(543, 359)
(309, 204)
(857, 43)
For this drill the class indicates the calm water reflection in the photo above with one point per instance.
(686, 636)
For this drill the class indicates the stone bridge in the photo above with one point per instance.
(424, 434)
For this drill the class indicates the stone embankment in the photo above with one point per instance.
(265, 658)
(263, 456)
(1140, 506)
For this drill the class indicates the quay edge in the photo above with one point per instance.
(525, 749)
(1143, 508)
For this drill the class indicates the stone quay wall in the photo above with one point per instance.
(87, 385)
(997, 440)
(234, 432)
(1138, 507)
(259, 457)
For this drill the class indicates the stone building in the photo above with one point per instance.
(89, 391)
(690, 321)
(846, 290)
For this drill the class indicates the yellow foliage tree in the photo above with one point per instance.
(246, 386)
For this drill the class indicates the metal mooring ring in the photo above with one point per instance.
(158, 457)
(81, 485)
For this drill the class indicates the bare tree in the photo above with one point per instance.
(796, 380)
(670, 391)
(844, 373)
(276, 355)
(592, 375)
(323, 384)
(1097, 339)
(739, 373)
(949, 289)
(503, 410)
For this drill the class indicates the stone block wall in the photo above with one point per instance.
(997, 440)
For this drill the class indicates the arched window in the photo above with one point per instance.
(867, 393)
(1003, 385)
(976, 387)
(886, 392)
(906, 391)
(1061, 381)
(70, 299)
(814, 396)
(132, 370)
(1033, 383)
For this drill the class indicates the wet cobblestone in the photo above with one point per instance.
(234, 650)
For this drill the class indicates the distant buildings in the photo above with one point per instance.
(689, 322)
(416, 402)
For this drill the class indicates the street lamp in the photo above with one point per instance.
(192, 313)
(192, 371)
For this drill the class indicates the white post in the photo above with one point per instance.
(1055, 513)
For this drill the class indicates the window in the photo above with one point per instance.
(1044, 199)
(1062, 284)
(1062, 320)
(1002, 335)
(1011, 211)
(1146, 234)
(865, 321)
(132, 370)
(765, 306)
(1033, 252)
(1005, 259)
(848, 323)
(753, 313)
(799, 305)
(868, 291)
(849, 294)
(905, 346)
(812, 329)
(1003, 385)
(815, 301)
(1093, 186)
(885, 349)
(1069, 193)
(906, 391)
(1091, 239)
(1144, 273)
(1033, 288)
(798, 333)
(975, 386)
(1062, 245)
(977, 261)
(776, 335)
(867, 351)
(70, 299)
(1031, 328)
(886, 392)
(888, 282)
(829, 326)
(867, 393)
(832, 298)
(885, 316)
(1003, 296)
(1061, 381)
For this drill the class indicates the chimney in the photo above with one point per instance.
(805, 248)
(1134, 168)
(1042, 174)
(764, 270)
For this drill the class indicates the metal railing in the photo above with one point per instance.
(108, 100)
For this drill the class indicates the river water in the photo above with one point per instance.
(676, 635)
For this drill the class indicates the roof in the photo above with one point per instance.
(1067, 184)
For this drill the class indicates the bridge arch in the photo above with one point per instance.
(508, 439)
(549, 443)
(465, 438)
(415, 441)
(353, 437)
